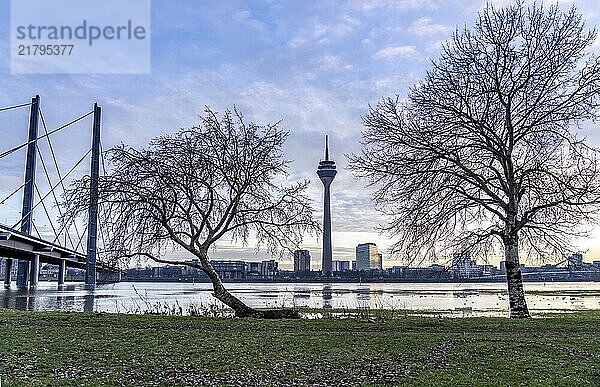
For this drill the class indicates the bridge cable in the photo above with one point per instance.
(102, 158)
(81, 239)
(58, 172)
(13, 150)
(14, 192)
(36, 230)
(56, 235)
(15, 106)
(102, 238)
(45, 209)
(56, 185)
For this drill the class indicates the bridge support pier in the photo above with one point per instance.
(62, 271)
(8, 265)
(23, 274)
(34, 272)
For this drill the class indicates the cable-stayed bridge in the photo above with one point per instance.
(67, 245)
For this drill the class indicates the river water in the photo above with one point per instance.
(454, 299)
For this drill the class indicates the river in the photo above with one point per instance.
(453, 299)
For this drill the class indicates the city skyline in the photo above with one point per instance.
(316, 71)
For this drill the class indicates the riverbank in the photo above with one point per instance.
(40, 348)
(339, 280)
(330, 280)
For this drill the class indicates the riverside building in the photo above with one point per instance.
(368, 257)
(301, 261)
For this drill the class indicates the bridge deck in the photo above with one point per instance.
(14, 244)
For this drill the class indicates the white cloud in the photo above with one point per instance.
(332, 62)
(245, 18)
(369, 5)
(434, 46)
(324, 32)
(425, 27)
(397, 51)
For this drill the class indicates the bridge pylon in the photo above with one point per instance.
(23, 270)
(92, 240)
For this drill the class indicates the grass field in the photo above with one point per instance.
(68, 349)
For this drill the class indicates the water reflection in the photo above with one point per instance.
(18, 299)
(327, 296)
(447, 298)
(65, 302)
(363, 293)
(88, 302)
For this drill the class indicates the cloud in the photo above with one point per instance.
(245, 18)
(397, 51)
(434, 46)
(333, 62)
(425, 27)
(402, 5)
(324, 31)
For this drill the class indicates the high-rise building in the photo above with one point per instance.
(367, 257)
(502, 267)
(465, 267)
(301, 261)
(254, 269)
(340, 266)
(269, 268)
(575, 262)
(326, 172)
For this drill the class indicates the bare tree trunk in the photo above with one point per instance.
(240, 309)
(516, 295)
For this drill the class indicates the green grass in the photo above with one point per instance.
(38, 348)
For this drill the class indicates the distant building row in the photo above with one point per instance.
(227, 269)
(367, 258)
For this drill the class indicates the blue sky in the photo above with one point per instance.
(316, 65)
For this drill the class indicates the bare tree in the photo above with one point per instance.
(189, 190)
(482, 155)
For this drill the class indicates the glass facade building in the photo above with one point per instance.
(368, 257)
(301, 261)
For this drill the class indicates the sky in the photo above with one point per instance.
(314, 65)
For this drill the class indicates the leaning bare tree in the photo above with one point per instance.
(220, 180)
(482, 154)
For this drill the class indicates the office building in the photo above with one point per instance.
(340, 266)
(230, 269)
(269, 268)
(575, 262)
(301, 261)
(463, 266)
(367, 257)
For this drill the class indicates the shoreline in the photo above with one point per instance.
(344, 280)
